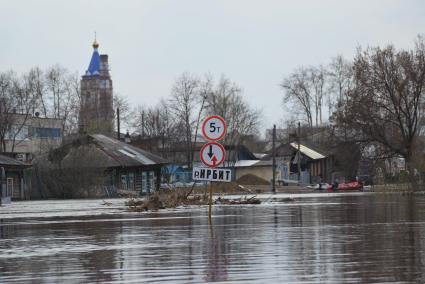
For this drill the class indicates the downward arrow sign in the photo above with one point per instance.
(210, 153)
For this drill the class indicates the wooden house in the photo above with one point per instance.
(11, 179)
(122, 166)
(314, 164)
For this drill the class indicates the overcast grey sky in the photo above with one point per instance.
(150, 43)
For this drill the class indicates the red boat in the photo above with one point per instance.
(351, 186)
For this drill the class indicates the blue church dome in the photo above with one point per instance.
(94, 66)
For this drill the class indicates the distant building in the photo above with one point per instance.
(258, 168)
(32, 136)
(315, 166)
(96, 109)
(12, 183)
(124, 167)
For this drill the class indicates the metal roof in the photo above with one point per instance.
(312, 154)
(124, 155)
(252, 163)
(7, 161)
(245, 163)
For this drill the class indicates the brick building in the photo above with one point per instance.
(96, 110)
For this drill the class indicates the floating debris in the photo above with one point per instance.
(288, 199)
(241, 201)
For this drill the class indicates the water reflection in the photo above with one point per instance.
(216, 254)
(349, 239)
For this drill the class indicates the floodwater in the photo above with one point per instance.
(322, 238)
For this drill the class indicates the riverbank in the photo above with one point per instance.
(97, 207)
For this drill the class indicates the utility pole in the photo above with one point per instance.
(299, 153)
(274, 158)
(118, 125)
(143, 124)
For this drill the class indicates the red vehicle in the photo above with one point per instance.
(351, 186)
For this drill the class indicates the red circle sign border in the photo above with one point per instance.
(219, 162)
(205, 122)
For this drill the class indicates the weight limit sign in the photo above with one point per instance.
(214, 128)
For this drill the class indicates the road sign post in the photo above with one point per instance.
(212, 155)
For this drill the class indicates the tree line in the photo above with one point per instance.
(175, 120)
(313, 93)
(375, 100)
(53, 92)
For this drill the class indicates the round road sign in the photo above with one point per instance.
(214, 128)
(212, 154)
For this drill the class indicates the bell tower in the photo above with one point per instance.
(96, 109)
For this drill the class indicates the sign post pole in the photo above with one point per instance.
(210, 205)
(212, 155)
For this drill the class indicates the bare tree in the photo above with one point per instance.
(17, 100)
(205, 91)
(7, 105)
(63, 97)
(384, 106)
(297, 92)
(36, 76)
(340, 73)
(177, 121)
(226, 101)
(318, 81)
(305, 89)
(183, 105)
(73, 171)
(73, 99)
(158, 129)
(121, 102)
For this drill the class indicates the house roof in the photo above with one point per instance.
(124, 155)
(7, 161)
(312, 154)
(260, 155)
(252, 163)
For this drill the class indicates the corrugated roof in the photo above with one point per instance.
(312, 154)
(125, 155)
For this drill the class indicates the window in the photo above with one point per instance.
(104, 84)
(9, 188)
(21, 134)
(40, 132)
(145, 182)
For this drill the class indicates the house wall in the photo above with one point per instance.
(138, 179)
(37, 136)
(320, 170)
(14, 184)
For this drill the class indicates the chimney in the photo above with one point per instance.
(104, 66)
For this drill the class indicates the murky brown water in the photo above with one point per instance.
(348, 239)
